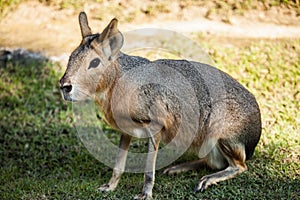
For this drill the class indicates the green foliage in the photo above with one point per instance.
(7, 5)
(42, 158)
(156, 8)
(62, 4)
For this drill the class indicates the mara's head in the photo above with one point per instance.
(89, 64)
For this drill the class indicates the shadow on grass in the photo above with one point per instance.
(38, 140)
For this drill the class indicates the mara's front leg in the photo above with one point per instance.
(153, 143)
(119, 165)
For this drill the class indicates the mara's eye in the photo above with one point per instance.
(94, 63)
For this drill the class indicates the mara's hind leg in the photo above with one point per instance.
(235, 156)
(184, 167)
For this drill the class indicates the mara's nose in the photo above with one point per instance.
(66, 87)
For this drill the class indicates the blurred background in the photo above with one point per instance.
(51, 26)
(257, 42)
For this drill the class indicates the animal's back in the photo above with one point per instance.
(226, 108)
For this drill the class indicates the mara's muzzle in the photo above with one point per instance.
(66, 89)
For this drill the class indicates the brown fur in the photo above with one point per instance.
(229, 117)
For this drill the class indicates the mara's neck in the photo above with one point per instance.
(121, 65)
(126, 62)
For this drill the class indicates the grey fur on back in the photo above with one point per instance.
(224, 104)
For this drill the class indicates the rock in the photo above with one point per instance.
(20, 56)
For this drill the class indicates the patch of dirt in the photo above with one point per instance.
(55, 31)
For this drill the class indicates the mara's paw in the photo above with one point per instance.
(203, 183)
(172, 170)
(143, 196)
(106, 188)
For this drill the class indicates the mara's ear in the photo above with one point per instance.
(84, 26)
(112, 36)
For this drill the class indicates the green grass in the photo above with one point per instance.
(42, 158)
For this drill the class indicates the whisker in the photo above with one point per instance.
(82, 92)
